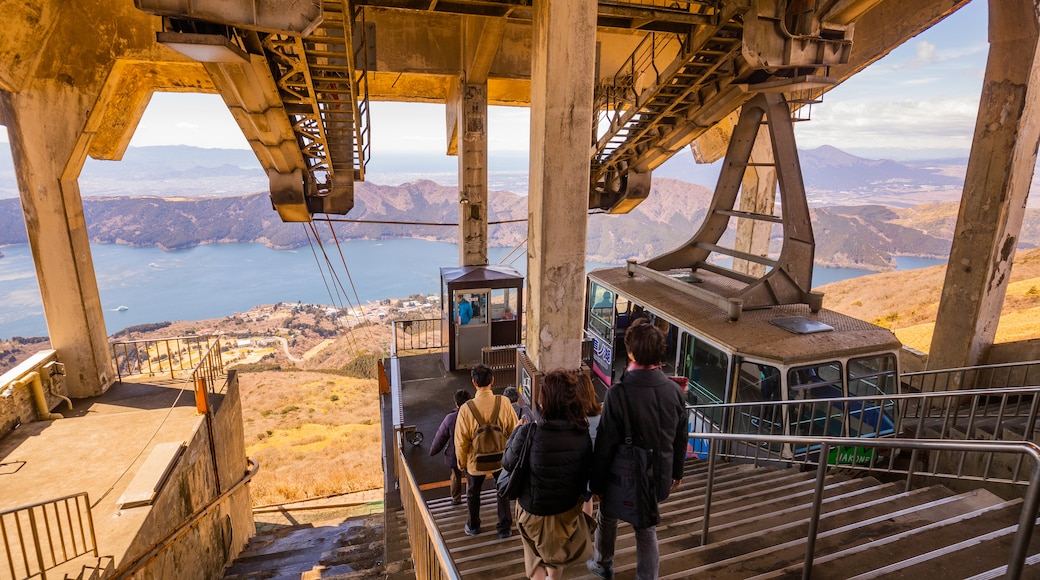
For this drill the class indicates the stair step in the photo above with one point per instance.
(934, 546)
(880, 523)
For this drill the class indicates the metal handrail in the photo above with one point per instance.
(430, 554)
(992, 414)
(206, 374)
(159, 356)
(1027, 519)
(419, 334)
(66, 533)
(962, 377)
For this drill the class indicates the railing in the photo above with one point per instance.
(163, 356)
(981, 414)
(42, 536)
(430, 554)
(1027, 517)
(422, 334)
(1017, 374)
(208, 373)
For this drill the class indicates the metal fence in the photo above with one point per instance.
(176, 357)
(430, 554)
(208, 374)
(41, 536)
(1017, 374)
(1008, 414)
(413, 336)
(1021, 450)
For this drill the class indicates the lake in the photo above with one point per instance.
(218, 280)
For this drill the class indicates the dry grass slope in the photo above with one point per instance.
(907, 302)
(315, 434)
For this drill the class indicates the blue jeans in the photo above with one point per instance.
(646, 547)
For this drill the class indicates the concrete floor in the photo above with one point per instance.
(427, 393)
(97, 448)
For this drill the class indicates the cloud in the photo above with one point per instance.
(943, 123)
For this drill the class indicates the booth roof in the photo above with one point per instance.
(462, 274)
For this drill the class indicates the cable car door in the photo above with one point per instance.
(472, 327)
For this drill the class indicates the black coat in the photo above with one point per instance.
(658, 415)
(444, 440)
(560, 463)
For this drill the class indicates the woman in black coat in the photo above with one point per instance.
(553, 528)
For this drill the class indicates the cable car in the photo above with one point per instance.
(781, 353)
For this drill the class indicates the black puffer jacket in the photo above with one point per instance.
(560, 461)
(658, 416)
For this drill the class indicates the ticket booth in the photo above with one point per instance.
(481, 306)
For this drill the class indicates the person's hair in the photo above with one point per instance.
(645, 343)
(461, 396)
(561, 398)
(588, 391)
(482, 375)
(512, 394)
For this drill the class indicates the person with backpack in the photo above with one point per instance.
(647, 407)
(444, 441)
(481, 431)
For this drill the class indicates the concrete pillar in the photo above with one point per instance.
(562, 81)
(757, 195)
(473, 175)
(45, 126)
(1000, 168)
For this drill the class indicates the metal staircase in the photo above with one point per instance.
(674, 87)
(322, 78)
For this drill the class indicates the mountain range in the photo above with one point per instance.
(864, 211)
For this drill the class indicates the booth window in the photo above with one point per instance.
(503, 304)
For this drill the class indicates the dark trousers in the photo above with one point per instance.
(474, 484)
(456, 484)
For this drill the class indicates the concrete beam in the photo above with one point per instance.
(473, 175)
(996, 187)
(562, 82)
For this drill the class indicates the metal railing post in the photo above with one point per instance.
(708, 489)
(814, 519)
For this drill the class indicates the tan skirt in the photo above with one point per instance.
(555, 541)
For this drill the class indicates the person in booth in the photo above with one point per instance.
(465, 310)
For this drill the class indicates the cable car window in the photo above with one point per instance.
(873, 376)
(759, 383)
(601, 310)
(705, 366)
(812, 384)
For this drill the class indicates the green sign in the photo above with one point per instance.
(850, 456)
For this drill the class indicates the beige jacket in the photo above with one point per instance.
(466, 425)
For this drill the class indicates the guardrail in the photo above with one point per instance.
(1027, 518)
(421, 334)
(977, 414)
(430, 554)
(44, 535)
(162, 356)
(207, 374)
(1016, 374)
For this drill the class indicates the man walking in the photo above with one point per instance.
(481, 431)
(654, 408)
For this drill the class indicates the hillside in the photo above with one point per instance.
(907, 302)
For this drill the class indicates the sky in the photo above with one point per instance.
(918, 102)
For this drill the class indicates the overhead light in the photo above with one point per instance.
(203, 47)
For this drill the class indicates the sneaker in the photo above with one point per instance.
(503, 534)
(600, 571)
(456, 502)
(470, 531)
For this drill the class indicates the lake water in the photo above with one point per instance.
(218, 280)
